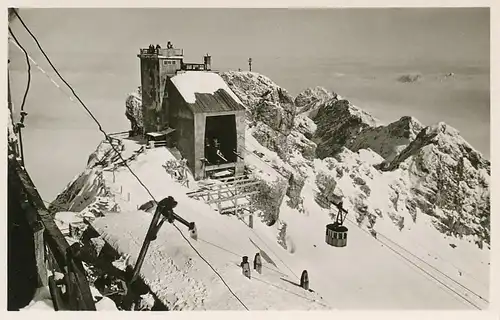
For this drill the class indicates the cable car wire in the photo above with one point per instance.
(419, 267)
(28, 83)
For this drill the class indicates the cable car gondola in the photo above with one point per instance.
(336, 233)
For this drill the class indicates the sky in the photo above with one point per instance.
(358, 53)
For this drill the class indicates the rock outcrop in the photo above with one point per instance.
(133, 112)
(310, 99)
(271, 119)
(450, 180)
(266, 101)
(338, 124)
(388, 141)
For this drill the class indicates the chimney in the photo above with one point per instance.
(207, 60)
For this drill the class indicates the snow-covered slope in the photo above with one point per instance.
(400, 254)
(182, 280)
(363, 275)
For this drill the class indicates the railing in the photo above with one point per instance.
(157, 144)
(168, 52)
(193, 67)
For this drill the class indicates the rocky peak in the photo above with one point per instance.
(311, 98)
(443, 140)
(407, 126)
(338, 123)
(450, 180)
(388, 140)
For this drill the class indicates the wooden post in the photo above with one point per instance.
(250, 220)
(128, 196)
(38, 230)
(235, 193)
(218, 203)
(236, 206)
(121, 189)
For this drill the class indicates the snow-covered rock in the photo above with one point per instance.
(305, 125)
(271, 122)
(266, 101)
(338, 124)
(133, 111)
(388, 140)
(449, 176)
(310, 99)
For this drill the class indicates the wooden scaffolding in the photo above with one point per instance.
(229, 196)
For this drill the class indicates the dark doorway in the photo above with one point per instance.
(220, 139)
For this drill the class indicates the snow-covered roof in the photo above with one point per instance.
(191, 82)
(160, 133)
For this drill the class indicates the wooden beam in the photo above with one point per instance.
(240, 177)
(220, 166)
(38, 231)
(242, 195)
(240, 206)
(233, 183)
(224, 188)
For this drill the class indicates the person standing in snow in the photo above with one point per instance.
(245, 266)
(257, 263)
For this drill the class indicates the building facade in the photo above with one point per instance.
(208, 118)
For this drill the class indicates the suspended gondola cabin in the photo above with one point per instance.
(336, 235)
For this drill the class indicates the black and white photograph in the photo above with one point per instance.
(248, 159)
